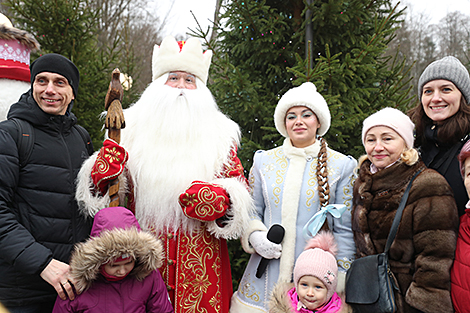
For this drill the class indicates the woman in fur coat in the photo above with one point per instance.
(315, 280)
(115, 270)
(421, 255)
(290, 184)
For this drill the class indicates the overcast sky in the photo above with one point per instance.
(180, 16)
(436, 9)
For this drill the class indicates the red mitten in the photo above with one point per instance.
(109, 164)
(204, 201)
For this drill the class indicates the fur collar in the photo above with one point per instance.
(90, 255)
(308, 152)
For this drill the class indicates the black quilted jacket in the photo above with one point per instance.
(39, 218)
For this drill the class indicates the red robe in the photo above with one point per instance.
(196, 266)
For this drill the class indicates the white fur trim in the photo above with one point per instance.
(304, 95)
(341, 285)
(89, 204)
(290, 202)
(241, 209)
(255, 225)
(167, 57)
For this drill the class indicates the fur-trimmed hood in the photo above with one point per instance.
(115, 232)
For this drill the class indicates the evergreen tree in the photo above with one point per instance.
(259, 54)
(69, 27)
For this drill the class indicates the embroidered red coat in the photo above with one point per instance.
(196, 265)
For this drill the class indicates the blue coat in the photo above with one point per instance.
(284, 187)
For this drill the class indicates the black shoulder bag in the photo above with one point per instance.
(369, 280)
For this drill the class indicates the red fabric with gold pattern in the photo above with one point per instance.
(196, 271)
(204, 201)
(109, 164)
(235, 169)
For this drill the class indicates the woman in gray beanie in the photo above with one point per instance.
(442, 120)
(290, 184)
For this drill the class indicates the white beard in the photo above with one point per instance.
(173, 137)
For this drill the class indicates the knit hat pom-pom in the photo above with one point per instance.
(323, 240)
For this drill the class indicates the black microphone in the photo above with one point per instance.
(275, 234)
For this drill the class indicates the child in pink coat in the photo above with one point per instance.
(116, 269)
(315, 280)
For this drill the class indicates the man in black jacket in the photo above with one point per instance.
(39, 218)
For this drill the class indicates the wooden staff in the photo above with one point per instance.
(113, 123)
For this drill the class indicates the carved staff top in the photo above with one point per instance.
(113, 123)
(114, 118)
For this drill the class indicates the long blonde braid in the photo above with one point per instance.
(322, 178)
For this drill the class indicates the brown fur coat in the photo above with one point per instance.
(423, 251)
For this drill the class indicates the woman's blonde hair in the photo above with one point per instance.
(408, 156)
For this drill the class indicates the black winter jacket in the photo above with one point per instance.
(39, 217)
(444, 159)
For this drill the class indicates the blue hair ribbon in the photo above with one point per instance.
(316, 222)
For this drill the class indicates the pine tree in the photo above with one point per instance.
(259, 54)
(68, 27)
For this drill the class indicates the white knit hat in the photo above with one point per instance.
(393, 118)
(169, 57)
(318, 260)
(304, 95)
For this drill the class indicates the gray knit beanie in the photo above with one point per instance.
(448, 68)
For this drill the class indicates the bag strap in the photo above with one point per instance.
(86, 138)
(396, 220)
(25, 140)
(24, 137)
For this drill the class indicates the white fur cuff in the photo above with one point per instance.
(239, 211)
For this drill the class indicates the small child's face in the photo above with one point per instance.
(312, 292)
(119, 269)
(466, 180)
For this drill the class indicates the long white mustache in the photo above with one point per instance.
(173, 136)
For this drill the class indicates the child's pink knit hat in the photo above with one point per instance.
(318, 260)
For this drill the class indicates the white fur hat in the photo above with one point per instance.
(304, 95)
(169, 57)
